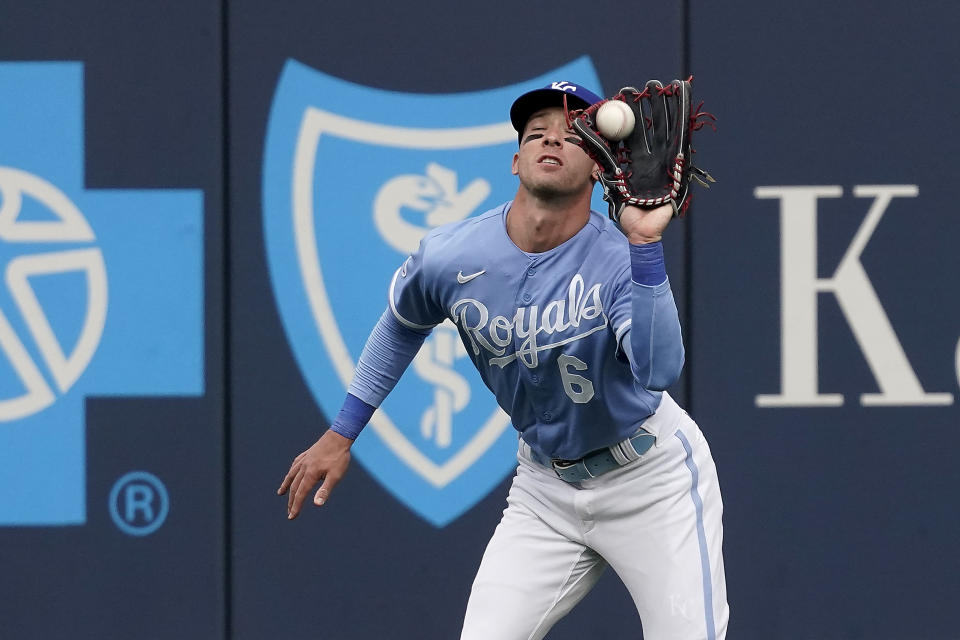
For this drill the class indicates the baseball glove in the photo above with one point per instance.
(652, 165)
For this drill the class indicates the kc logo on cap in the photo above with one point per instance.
(578, 97)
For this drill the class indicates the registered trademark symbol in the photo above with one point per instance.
(139, 503)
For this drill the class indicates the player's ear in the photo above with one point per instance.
(514, 167)
(595, 174)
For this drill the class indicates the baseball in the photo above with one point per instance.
(615, 120)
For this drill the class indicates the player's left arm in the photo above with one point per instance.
(645, 226)
(653, 343)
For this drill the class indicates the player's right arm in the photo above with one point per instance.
(391, 347)
(388, 352)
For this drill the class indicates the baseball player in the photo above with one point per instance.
(570, 319)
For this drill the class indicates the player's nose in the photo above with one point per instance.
(553, 136)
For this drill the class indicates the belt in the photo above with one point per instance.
(598, 462)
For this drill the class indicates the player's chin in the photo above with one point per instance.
(549, 190)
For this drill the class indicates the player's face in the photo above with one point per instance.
(550, 163)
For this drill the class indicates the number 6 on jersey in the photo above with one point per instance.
(572, 382)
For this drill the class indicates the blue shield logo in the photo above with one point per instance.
(353, 178)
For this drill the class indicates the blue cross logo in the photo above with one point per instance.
(100, 294)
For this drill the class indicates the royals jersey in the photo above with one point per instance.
(550, 332)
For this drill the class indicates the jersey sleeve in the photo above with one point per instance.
(647, 327)
(653, 342)
(620, 310)
(413, 295)
(390, 349)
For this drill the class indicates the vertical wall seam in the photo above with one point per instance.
(688, 296)
(227, 302)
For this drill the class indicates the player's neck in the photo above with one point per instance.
(536, 225)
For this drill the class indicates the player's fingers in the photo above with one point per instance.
(287, 479)
(294, 466)
(294, 486)
(323, 493)
(305, 485)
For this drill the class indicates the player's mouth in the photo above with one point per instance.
(550, 160)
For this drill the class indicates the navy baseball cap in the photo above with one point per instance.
(578, 97)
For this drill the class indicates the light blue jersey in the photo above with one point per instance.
(575, 352)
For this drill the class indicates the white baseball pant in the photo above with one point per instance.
(656, 521)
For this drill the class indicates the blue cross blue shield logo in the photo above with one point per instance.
(101, 294)
(353, 178)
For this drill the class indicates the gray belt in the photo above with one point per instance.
(598, 462)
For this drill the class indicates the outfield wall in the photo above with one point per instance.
(201, 206)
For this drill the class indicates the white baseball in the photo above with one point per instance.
(615, 120)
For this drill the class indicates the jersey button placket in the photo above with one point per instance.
(526, 297)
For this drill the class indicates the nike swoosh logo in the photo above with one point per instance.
(462, 279)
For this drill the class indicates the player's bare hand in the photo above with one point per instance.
(643, 226)
(325, 461)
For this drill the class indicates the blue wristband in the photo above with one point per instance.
(646, 264)
(353, 417)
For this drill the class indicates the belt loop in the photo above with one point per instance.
(621, 453)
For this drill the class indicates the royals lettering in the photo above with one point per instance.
(581, 311)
